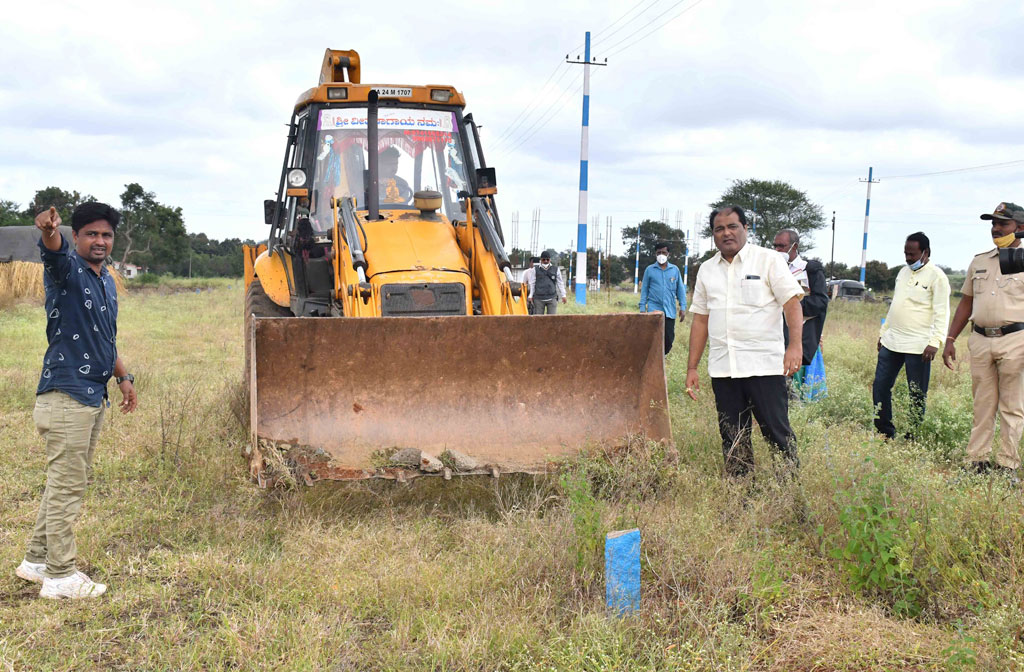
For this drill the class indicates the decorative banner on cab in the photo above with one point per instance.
(388, 119)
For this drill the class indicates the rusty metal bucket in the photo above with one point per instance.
(511, 392)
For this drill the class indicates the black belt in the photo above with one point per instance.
(999, 331)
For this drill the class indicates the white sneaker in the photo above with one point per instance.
(73, 587)
(31, 571)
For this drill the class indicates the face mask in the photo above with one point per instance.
(662, 258)
(917, 264)
(784, 256)
(1005, 241)
(545, 266)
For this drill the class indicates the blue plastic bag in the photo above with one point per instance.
(814, 385)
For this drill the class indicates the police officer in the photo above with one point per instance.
(995, 304)
(546, 285)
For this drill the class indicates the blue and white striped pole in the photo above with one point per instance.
(686, 261)
(581, 233)
(867, 213)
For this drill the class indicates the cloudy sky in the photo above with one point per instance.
(190, 100)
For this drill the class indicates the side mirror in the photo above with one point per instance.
(486, 182)
(268, 211)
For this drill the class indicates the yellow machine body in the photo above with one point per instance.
(423, 340)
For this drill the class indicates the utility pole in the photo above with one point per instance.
(581, 232)
(696, 234)
(535, 233)
(570, 259)
(753, 225)
(515, 234)
(636, 269)
(686, 260)
(867, 213)
(832, 264)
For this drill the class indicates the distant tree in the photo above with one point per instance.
(876, 275)
(64, 201)
(779, 206)
(651, 233)
(151, 234)
(519, 257)
(11, 215)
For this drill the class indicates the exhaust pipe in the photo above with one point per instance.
(373, 197)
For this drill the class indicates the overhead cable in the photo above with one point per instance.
(956, 170)
(656, 29)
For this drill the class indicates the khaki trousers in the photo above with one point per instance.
(71, 430)
(997, 380)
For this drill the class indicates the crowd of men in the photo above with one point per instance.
(759, 312)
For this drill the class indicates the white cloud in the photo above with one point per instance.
(190, 100)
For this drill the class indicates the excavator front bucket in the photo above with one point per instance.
(341, 396)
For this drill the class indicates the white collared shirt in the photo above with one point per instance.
(743, 301)
(798, 267)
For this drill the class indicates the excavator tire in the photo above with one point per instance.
(257, 304)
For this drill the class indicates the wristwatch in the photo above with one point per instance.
(129, 377)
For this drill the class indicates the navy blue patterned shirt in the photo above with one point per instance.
(81, 326)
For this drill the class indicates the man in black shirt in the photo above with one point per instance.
(81, 328)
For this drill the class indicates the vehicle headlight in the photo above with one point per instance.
(440, 95)
(337, 93)
(296, 178)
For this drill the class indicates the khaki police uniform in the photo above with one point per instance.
(997, 359)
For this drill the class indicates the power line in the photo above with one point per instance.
(671, 7)
(628, 12)
(538, 97)
(637, 16)
(558, 90)
(957, 170)
(533, 103)
(543, 121)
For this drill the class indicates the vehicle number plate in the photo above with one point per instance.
(392, 92)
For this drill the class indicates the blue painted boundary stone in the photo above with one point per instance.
(622, 571)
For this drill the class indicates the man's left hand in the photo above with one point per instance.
(929, 353)
(128, 398)
(564, 300)
(793, 359)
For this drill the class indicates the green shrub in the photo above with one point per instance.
(874, 547)
(585, 511)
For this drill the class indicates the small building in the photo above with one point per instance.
(130, 270)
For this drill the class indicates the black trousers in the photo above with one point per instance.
(764, 398)
(670, 333)
(888, 367)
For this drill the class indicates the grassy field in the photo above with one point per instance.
(881, 556)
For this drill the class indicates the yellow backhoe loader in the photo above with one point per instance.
(385, 335)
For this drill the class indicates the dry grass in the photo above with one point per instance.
(207, 572)
(20, 280)
(23, 281)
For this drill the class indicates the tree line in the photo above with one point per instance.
(151, 235)
(771, 206)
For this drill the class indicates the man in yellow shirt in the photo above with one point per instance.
(912, 332)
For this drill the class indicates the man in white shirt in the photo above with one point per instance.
(528, 279)
(912, 333)
(738, 302)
